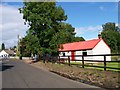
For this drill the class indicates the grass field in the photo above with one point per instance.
(108, 64)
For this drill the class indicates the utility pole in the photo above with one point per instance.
(18, 44)
(19, 48)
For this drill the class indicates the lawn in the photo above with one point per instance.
(108, 64)
(111, 64)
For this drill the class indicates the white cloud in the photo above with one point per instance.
(117, 24)
(82, 30)
(12, 24)
(89, 32)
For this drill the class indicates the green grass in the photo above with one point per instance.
(115, 58)
(109, 64)
(75, 63)
(113, 64)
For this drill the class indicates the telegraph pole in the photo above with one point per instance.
(19, 48)
(18, 44)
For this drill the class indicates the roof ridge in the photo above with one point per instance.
(89, 44)
(82, 41)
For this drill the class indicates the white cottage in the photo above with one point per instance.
(90, 47)
(6, 53)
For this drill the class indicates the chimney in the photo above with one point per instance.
(99, 35)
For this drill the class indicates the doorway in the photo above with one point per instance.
(73, 55)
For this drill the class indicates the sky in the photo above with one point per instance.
(86, 17)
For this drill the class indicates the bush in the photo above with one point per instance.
(115, 58)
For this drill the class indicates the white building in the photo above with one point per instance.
(6, 53)
(90, 47)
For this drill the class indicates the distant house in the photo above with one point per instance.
(90, 47)
(7, 53)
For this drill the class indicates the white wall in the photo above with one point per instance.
(78, 53)
(66, 54)
(89, 52)
(3, 54)
(102, 48)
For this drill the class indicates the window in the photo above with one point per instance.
(63, 54)
(84, 53)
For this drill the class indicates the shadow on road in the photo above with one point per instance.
(6, 66)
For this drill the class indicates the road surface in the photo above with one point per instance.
(17, 74)
(0, 74)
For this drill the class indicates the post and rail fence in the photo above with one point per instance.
(84, 60)
(62, 59)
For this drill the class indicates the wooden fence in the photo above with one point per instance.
(84, 60)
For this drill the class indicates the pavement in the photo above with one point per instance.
(17, 74)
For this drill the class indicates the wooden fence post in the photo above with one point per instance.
(104, 63)
(59, 59)
(51, 59)
(43, 60)
(69, 60)
(82, 61)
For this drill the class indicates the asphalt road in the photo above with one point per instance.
(0, 80)
(17, 74)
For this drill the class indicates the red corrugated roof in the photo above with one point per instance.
(84, 45)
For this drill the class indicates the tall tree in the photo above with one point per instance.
(32, 44)
(46, 23)
(77, 39)
(111, 35)
(109, 26)
(3, 46)
(66, 34)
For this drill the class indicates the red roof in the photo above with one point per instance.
(84, 45)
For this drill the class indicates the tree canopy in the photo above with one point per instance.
(77, 39)
(111, 34)
(3, 46)
(47, 28)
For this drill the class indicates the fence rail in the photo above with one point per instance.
(84, 60)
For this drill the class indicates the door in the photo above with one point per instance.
(73, 55)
